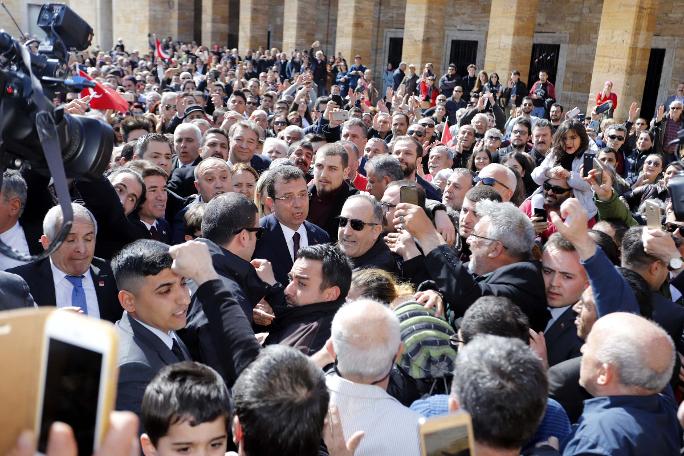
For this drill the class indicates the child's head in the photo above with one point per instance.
(186, 406)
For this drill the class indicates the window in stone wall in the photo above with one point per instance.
(462, 54)
(544, 57)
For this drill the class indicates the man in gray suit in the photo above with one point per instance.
(155, 298)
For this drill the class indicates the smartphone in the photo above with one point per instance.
(409, 194)
(339, 116)
(675, 188)
(598, 166)
(600, 109)
(574, 112)
(449, 434)
(653, 214)
(588, 164)
(78, 376)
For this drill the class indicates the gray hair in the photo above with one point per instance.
(354, 122)
(249, 125)
(292, 129)
(275, 143)
(192, 127)
(14, 186)
(366, 338)
(386, 166)
(443, 150)
(444, 174)
(385, 147)
(629, 355)
(509, 225)
(52, 222)
(476, 117)
(375, 205)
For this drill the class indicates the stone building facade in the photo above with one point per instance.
(638, 44)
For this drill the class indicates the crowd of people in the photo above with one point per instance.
(300, 261)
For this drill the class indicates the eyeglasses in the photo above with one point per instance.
(418, 133)
(252, 103)
(290, 198)
(493, 138)
(257, 230)
(671, 227)
(486, 239)
(519, 132)
(555, 189)
(614, 137)
(675, 108)
(490, 182)
(386, 206)
(428, 125)
(280, 122)
(356, 224)
(167, 107)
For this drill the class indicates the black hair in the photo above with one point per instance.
(186, 391)
(633, 254)
(641, 290)
(562, 157)
(239, 93)
(497, 316)
(143, 142)
(144, 257)
(287, 173)
(607, 244)
(134, 123)
(225, 214)
(281, 401)
(524, 122)
(337, 270)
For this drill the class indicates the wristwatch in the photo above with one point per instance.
(675, 264)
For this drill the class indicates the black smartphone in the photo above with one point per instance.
(540, 212)
(600, 109)
(675, 187)
(588, 164)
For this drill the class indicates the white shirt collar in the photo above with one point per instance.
(289, 232)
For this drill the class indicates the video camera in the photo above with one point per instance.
(33, 132)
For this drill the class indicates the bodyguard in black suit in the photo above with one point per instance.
(74, 258)
(288, 200)
(14, 292)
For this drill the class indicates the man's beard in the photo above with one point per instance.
(409, 169)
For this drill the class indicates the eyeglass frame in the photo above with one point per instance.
(478, 179)
(289, 199)
(258, 230)
(351, 221)
(487, 239)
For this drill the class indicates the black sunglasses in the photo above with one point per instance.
(257, 230)
(614, 137)
(671, 227)
(489, 181)
(279, 122)
(555, 189)
(418, 133)
(356, 224)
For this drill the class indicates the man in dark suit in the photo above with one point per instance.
(286, 229)
(155, 299)
(500, 244)
(14, 292)
(150, 214)
(187, 139)
(564, 279)
(72, 276)
(329, 189)
(244, 138)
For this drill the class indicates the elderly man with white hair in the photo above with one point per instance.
(627, 362)
(500, 263)
(274, 148)
(365, 343)
(72, 276)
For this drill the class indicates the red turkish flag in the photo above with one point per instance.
(160, 51)
(446, 134)
(102, 97)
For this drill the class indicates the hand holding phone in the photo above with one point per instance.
(449, 434)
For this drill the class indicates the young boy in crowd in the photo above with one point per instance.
(186, 410)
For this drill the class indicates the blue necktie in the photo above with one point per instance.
(78, 298)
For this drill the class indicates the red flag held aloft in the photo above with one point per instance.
(446, 134)
(102, 97)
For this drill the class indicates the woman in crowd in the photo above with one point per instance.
(342, 78)
(244, 179)
(278, 123)
(523, 165)
(482, 81)
(493, 86)
(479, 159)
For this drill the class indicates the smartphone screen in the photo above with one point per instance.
(587, 164)
(71, 392)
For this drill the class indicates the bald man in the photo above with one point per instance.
(627, 362)
(500, 178)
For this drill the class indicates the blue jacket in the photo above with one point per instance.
(626, 426)
(612, 293)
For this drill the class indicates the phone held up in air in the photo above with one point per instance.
(587, 164)
(653, 214)
(409, 194)
(78, 376)
(450, 434)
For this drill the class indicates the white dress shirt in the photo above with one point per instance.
(64, 289)
(390, 427)
(167, 338)
(15, 238)
(289, 233)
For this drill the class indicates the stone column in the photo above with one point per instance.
(133, 27)
(215, 22)
(104, 24)
(253, 24)
(510, 37)
(424, 33)
(622, 51)
(354, 31)
(299, 29)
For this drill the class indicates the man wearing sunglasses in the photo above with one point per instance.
(499, 177)
(614, 138)
(360, 234)
(555, 192)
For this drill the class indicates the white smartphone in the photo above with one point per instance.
(574, 112)
(653, 214)
(78, 378)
